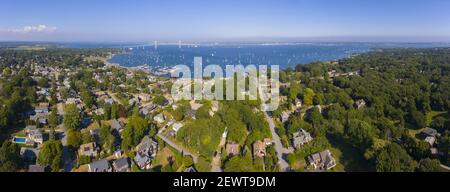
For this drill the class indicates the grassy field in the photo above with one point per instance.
(162, 157)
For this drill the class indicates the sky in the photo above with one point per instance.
(224, 20)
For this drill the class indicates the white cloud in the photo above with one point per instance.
(32, 29)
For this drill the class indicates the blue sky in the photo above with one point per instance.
(224, 20)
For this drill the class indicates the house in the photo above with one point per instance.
(88, 149)
(117, 125)
(300, 138)
(36, 169)
(190, 169)
(268, 141)
(147, 109)
(42, 108)
(430, 132)
(33, 134)
(360, 104)
(144, 97)
(176, 127)
(430, 140)
(322, 160)
(109, 101)
(429, 135)
(100, 166)
(259, 149)
(99, 111)
(40, 118)
(145, 152)
(284, 116)
(121, 165)
(195, 105)
(133, 101)
(298, 103)
(191, 113)
(36, 136)
(95, 132)
(159, 118)
(434, 151)
(232, 149)
(73, 100)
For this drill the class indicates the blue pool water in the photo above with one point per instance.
(20, 140)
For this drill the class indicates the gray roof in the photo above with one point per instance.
(142, 160)
(322, 159)
(191, 112)
(30, 127)
(301, 137)
(121, 165)
(115, 124)
(147, 145)
(190, 169)
(430, 132)
(100, 166)
(36, 168)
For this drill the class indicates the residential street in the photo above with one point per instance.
(284, 166)
(66, 157)
(216, 163)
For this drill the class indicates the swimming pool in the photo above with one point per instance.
(20, 140)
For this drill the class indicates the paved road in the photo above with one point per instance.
(67, 159)
(445, 167)
(216, 164)
(284, 166)
(176, 147)
(113, 96)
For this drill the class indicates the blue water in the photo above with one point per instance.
(20, 139)
(286, 55)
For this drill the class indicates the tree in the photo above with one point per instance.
(418, 119)
(440, 123)
(10, 160)
(87, 97)
(114, 110)
(160, 100)
(86, 137)
(360, 133)
(107, 139)
(74, 139)
(394, 158)
(134, 131)
(53, 120)
(429, 165)
(308, 96)
(72, 117)
(50, 154)
(294, 90)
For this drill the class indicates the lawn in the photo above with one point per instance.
(162, 157)
(82, 168)
(433, 114)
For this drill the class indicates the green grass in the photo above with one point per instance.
(433, 114)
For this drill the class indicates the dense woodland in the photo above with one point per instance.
(405, 90)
